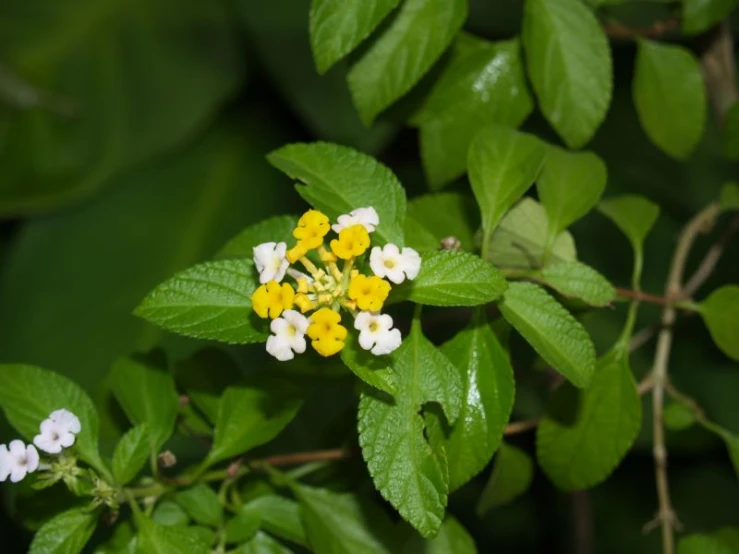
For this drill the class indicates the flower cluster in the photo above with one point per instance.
(57, 432)
(324, 291)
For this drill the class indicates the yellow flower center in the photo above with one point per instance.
(271, 299)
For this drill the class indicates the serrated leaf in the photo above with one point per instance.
(678, 417)
(65, 533)
(703, 544)
(373, 370)
(513, 471)
(131, 453)
(551, 330)
(281, 517)
(569, 63)
(338, 26)
(584, 435)
(262, 544)
(577, 280)
(404, 53)
(403, 466)
(521, 237)
(452, 538)
(201, 504)
(208, 301)
(274, 229)
(154, 538)
(570, 184)
(145, 390)
(634, 215)
(29, 394)
(673, 120)
(243, 526)
(503, 164)
(720, 312)
(452, 279)
(729, 197)
(339, 179)
(433, 217)
(700, 15)
(488, 392)
(170, 514)
(483, 84)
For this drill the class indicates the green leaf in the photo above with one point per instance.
(274, 229)
(404, 53)
(703, 544)
(729, 197)
(338, 523)
(731, 132)
(452, 538)
(678, 417)
(123, 541)
(337, 26)
(503, 164)
(453, 279)
(720, 312)
(487, 378)
(670, 96)
(170, 514)
(251, 416)
(513, 471)
(281, 517)
(340, 179)
(634, 215)
(411, 475)
(29, 394)
(569, 64)
(584, 435)
(243, 526)
(66, 533)
(208, 301)
(373, 370)
(262, 544)
(701, 15)
(154, 538)
(201, 504)
(570, 184)
(146, 392)
(433, 217)
(131, 453)
(577, 280)
(520, 239)
(551, 330)
(483, 84)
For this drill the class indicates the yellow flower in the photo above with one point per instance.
(296, 252)
(353, 241)
(369, 292)
(326, 332)
(303, 302)
(271, 299)
(311, 229)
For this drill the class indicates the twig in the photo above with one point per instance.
(646, 385)
(642, 337)
(642, 296)
(520, 427)
(297, 458)
(615, 29)
(719, 70)
(582, 512)
(706, 267)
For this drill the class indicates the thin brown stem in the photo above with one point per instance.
(520, 427)
(297, 458)
(615, 29)
(582, 511)
(708, 264)
(642, 296)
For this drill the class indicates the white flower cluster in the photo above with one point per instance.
(58, 431)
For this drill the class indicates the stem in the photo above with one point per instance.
(520, 426)
(706, 267)
(642, 296)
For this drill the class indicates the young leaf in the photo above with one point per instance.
(513, 471)
(703, 544)
(65, 533)
(674, 121)
(201, 504)
(274, 229)
(570, 184)
(404, 53)
(585, 434)
(453, 279)
(700, 15)
(720, 312)
(678, 417)
(146, 392)
(207, 301)
(154, 538)
(452, 538)
(29, 394)
(281, 517)
(503, 164)
(404, 468)
(483, 84)
(371, 369)
(170, 514)
(262, 544)
(577, 280)
(488, 392)
(251, 416)
(569, 63)
(433, 217)
(340, 179)
(243, 526)
(131, 453)
(338, 26)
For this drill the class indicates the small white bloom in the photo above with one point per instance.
(395, 264)
(361, 216)
(54, 437)
(269, 257)
(16, 460)
(376, 333)
(289, 335)
(66, 420)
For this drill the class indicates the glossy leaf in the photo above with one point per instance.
(411, 475)
(154, 538)
(201, 504)
(340, 179)
(673, 121)
(569, 63)
(404, 53)
(513, 471)
(701, 15)
(65, 533)
(720, 312)
(551, 330)
(433, 217)
(131, 453)
(373, 370)
(274, 229)
(577, 280)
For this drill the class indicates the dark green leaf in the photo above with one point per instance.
(244, 525)
(373, 370)
(170, 514)
(281, 517)
(154, 538)
(262, 544)
(700, 15)
(201, 504)
(452, 538)
(703, 544)
(577, 280)
(275, 229)
(513, 471)
(720, 312)
(66, 533)
(131, 453)
(123, 541)
(433, 217)
(677, 416)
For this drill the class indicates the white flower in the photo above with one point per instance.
(361, 216)
(376, 333)
(269, 257)
(66, 420)
(395, 264)
(289, 335)
(17, 460)
(54, 437)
